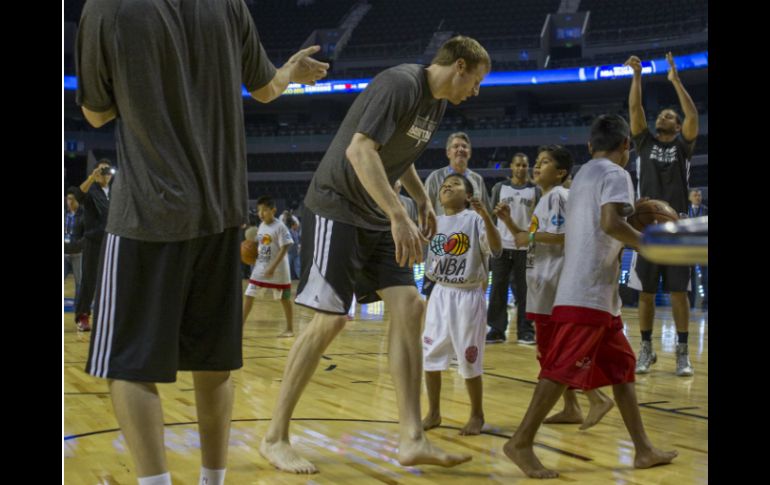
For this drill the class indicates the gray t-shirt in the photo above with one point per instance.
(173, 71)
(396, 110)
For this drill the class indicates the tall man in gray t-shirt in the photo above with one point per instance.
(358, 239)
(169, 291)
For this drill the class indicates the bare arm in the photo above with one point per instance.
(690, 123)
(99, 119)
(635, 109)
(89, 181)
(548, 238)
(413, 185)
(493, 235)
(425, 212)
(300, 68)
(363, 156)
(614, 224)
(281, 254)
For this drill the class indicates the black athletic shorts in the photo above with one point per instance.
(164, 307)
(646, 275)
(339, 260)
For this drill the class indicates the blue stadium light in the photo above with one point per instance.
(510, 78)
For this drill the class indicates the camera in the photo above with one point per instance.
(106, 171)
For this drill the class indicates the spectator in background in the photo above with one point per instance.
(511, 267)
(698, 209)
(73, 239)
(94, 196)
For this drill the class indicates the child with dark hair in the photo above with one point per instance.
(588, 349)
(545, 258)
(455, 321)
(271, 271)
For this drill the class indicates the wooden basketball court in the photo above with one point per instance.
(346, 421)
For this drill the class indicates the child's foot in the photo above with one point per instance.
(654, 457)
(524, 458)
(573, 416)
(596, 412)
(431, 421)
(473, 426)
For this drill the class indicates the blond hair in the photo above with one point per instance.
(461, 47)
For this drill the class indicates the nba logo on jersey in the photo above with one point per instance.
(557, 220)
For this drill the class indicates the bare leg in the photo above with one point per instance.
(300, 367)
(405, 351)
(600, 405)
(680, 307)
(571, 414)
(214, 404)
(520, 447)
(646, 455)
(140, 415)
(476, 421)
(288, 312)
(433, 386)
(248, 301)
(646, 310)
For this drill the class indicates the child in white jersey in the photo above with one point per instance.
(545, 258)
(271, 272)
(455, 320)
(588, 349)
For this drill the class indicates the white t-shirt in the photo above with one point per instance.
(591, 257)
(521, 200)
(458, 255)
(271, 238)
(545, 261)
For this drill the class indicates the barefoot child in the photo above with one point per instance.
(271, 271)
(455, 321)
(588, 349)
(545, 258)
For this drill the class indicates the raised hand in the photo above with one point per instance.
(635, 63)
(305, 69)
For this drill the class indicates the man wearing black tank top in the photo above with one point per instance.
(663, 166)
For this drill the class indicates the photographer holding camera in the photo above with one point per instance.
(94, 196)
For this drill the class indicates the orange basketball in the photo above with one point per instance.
(249, 252)
(652, 211)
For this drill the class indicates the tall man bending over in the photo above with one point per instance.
(357, 237)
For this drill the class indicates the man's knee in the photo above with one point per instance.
(328, 323)
(646, 297)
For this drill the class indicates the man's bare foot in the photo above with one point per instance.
(525, 459)
(572, 416)
(287, 333)
(431, 421)
(422, 452)
(473, 426)
(596, 412)
(654, 457)
(282, 456)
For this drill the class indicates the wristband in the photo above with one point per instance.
(531, 237)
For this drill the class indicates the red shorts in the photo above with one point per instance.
(587, 349)
(544, 329)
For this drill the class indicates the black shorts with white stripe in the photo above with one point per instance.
(164, 307)
(339, 260)
(645, 276)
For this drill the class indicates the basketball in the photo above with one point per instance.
(652, 211)
(249, 252)
(457, 244)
